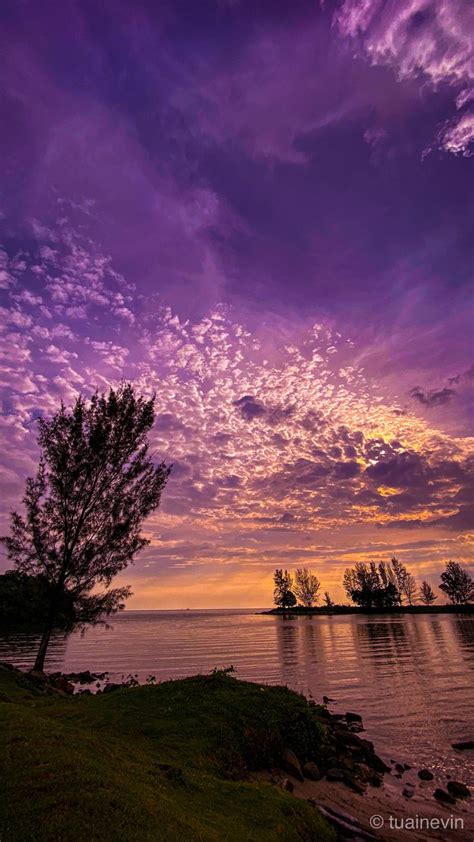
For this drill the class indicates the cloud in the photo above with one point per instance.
(250, 408)
(427, 40)
(437, 397)
(458, 136)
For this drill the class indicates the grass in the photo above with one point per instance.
(95, 767)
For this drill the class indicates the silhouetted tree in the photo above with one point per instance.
(427, 595)
(306, 587)
(84, 509)
(365, 586)
(283, 595)
(457, 584)
(327, 600)
(400, 574)
(387, 574)
(410, 589)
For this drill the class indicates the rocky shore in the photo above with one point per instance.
(265, 734)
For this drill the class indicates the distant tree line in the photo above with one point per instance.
(374, 585)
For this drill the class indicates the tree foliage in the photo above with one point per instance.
(410, 589)
(283, 595)
(24, 602)
(95, 485)
(371, 585)
(306, 587)
(427, 595)
(457, 584)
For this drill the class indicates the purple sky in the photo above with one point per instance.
(264, 212)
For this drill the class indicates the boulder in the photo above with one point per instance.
(458, 790)
(443, 797)
(407, 792)
(287, 784)
(350, 740)
(60, 682)
(311, 771)
(291, 764)
(376, 762)
(353, 717)
(425, 775)
(335, 774)
(354, 784)
(368, 775)
(400, 768)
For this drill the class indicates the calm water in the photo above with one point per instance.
(410, 677)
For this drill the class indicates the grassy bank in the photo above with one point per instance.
(165, 762)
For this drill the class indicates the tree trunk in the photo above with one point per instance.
(49, 625)
(41, 654)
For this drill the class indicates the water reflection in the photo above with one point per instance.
(410, 677)
(464, 628)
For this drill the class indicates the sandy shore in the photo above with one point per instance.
(387, 801)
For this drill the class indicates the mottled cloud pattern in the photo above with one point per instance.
(235, 208)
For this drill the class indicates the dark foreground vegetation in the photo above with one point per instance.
(162, 762)
(24, 602)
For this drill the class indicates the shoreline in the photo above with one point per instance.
(363, 612)
(319, 758)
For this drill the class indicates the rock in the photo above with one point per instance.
(353, 717)
(443, 797)
(326, 700)
(291, 764)
(311, 771)
(287, 784)
(39, 675)
(349, 740)
(369, 776)
(60, 682)
(464, 745)
(407, 767)
(353, 784)
(458, 790)
(323, 713)
(400, 768)
(335, 774)
(377, 763)
(425, 775)
(408, 793)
